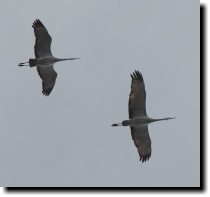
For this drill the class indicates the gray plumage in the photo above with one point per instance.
(138, 119)
(44, 59)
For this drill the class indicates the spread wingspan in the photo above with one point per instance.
(140, 136)
(48, 76)
(137, 97)
(43, 40)
(137, 108)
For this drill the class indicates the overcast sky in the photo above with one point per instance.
(66, 139)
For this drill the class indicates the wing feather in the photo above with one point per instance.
(43, 40)
(140, 136)
(48, 76)
(137, 97)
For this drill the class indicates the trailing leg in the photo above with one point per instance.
(115, 125)
(23, 64)
(31, 63)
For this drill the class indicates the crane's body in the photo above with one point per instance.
(44, 59)
(139, 120)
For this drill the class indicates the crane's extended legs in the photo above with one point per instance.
(115, 125)
(31, 63)
(23, 64)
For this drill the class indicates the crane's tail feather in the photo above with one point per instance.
(32, 62)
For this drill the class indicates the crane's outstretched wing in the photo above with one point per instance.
(137, 97)
(48, 76)
(43, 40)
(140, 136)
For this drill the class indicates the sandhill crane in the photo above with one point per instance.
(138, 117)
(44, 59)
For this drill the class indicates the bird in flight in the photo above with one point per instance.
(138, 119)
(44, 59)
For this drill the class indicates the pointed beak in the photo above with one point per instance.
(76, 58)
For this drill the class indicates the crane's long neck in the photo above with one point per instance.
(159, 119)
(64, 59)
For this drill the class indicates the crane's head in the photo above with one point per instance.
(64, 59)
(74, 58)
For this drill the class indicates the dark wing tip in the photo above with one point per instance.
(137, 75)
(47, 91)
(37, 23)
(144, 157)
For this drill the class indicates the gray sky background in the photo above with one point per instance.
(66, 139)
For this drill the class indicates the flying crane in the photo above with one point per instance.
(44, 59)
(139, 120)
